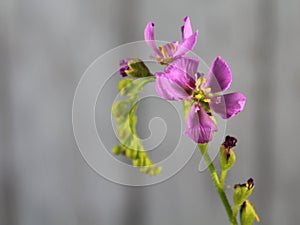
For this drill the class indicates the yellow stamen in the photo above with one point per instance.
(198, 96)
(198, 83)
(163, 50)
(207, 90)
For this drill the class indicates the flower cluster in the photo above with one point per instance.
(181, 81)
(203, 99)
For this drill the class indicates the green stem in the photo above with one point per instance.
(223, 176)
(219, 188)
(235, 211)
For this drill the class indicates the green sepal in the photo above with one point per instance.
(138, 69)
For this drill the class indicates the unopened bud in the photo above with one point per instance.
(227, 158)
(119, 108)
(248, 214)
(117, 150)
(242, 192)
(134, 68)
(227, 155)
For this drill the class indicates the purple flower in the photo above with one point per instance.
(180, 81)
(168, 53)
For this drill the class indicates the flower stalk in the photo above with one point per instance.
(218, 186)
(223, 177)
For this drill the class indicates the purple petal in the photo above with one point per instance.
(186, 29)
(149, 38)
(169, 89)
(228, 105)
(124, 66)
(186, 45)
(183, 71)
(219, 76)
(199, 127)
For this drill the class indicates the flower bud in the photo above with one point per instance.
(117, 150)
(119, 108)
(125, 83)
(134, 68)
(248, 214)
(242, 192)
(227, 155)
(124, 66)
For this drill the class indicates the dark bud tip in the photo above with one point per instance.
(230, 142)
(250, 183)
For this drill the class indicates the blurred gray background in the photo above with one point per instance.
(45, 46)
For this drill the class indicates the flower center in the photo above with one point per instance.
(200, 93)
(167, 51)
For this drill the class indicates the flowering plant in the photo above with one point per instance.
(201, 97)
